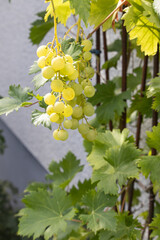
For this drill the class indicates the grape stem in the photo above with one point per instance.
(31, 104)
(70, 29)
(78, 29)
(110, 15)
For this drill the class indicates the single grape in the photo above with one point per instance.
(54, 117)
(57, 85)
(62, 135)
(58, 107)
(88, 109)
(87, 56)
(50, 56)
(61, 119)
(68, 58)
(49, 99)
(68, 94)
(89, 91)
(72, 103)
(49, 109)
(77, 88)
(81, 99)
(87, 45)
(42, 51)
(89, 71)
(55, 134)
(68, 110)
(91, 135)
(68, 69)
(77, 112)
(48, 72)
(86, 83)
(41, 62)
(58, 63)
(83, 128)
(67, 124)
(74, 75)
(75, 124)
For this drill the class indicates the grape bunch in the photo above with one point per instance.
(70, 88)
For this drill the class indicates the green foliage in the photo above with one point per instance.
(40, 28)
(112, 62)
(34, 68)
(71, 48)
(153, 138)
(155, 227)
(2, 142)
(153, 91)
(39, 81)
(42, 118)
(18, 97)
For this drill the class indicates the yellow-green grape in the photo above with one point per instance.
(74, 75)
(58, 107)
(77, 88)
(42, 51)
(41, 62)
(87, 45)
(81, 66)
(68, 58)
(89, 71)
(54, 117)
(50, 56)
(88, 109)
(57, 85)
(77, 112)
(49, 99)
(68, 69)
(68, 110)
(72, 103)
(55, 134)
(83, 128)
(85, 83)
(81, 99)
(48, 72)
(68, 94)
(91, 135)
(62, 135)
(58, 63)
(67, 124)
(87, 56)
(61, 119)
(89, 91)
(75, 124)
(49, 109)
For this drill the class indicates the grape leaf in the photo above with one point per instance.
(98, 218)
(71, 48)
(40, 28)
(127, 228)
(34, 68)
(39, 81)
(99, 12)
(154, 87)
(71, 229)
(155, 227)
(112, 62)
(110, 103)
(63, 172)
(140, 28)
(153, 138)
(116, 46)
(18, 96)
(46, 213)
(42, 118)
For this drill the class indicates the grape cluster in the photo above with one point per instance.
(70, 88)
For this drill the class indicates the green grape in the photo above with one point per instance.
(49, 99)
(58, 107)
(68, 94)
(81, 99)
(91, 135)
(50, 56)
(68, 58)
(77, 112)
(68, 69)
(58, 63)
(89, 71)
(74, 75)
(75, 124)
(72, 103)
(67, 124)
(87, 56)
(49, 109)
(48, 72)
(81, 66)
(62, 135)
(54, 117)
(88, 109)
(77, 88)
(86, 83)
(55, 134)
(83, 128)
(42, 51)
(61, 119)
(68, 110)
(41, 62)
(87, 45)
(57, 85)
(89, 91)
